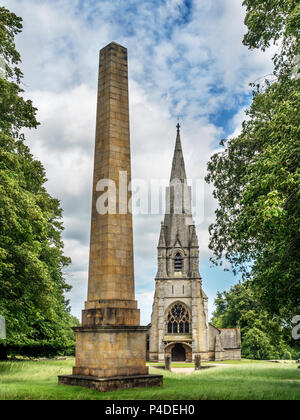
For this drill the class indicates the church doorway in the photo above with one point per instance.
(178, 353)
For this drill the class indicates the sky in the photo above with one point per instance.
(186, 60)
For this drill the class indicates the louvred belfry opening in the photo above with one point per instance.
(178, 262)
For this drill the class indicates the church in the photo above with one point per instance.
(179, 323)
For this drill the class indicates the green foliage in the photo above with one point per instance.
(14, 110)
(256, 177)
(263, 336)
(10, 26)
(256, 181)
(230, 306)
(256, 345)
(273, 21)
(32, 284)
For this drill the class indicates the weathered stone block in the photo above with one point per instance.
(113, 383)
(110, 351)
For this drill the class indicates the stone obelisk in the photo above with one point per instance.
(111, 344)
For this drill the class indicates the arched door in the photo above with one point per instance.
(178, 353)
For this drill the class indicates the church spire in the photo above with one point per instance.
(178, 167)
(178, 197)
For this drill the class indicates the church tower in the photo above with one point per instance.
(179, 322)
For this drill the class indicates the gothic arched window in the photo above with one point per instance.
(178, 319)
(178, 262)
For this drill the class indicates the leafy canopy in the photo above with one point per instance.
(277, 22)
(32, 262)
(256, 177)
(263, 336)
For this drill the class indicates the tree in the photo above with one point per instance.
(274, 21)
(257, 346)
(32, 284)
(232, 305)
(256, 177)
(15, 112)
(263, 336)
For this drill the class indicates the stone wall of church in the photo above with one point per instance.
(187, 291)
(213, 333)
(207, 341)
(232, 354)
(168, 292)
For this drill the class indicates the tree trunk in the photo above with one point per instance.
(3, 352)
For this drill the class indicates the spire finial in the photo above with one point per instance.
(178, 169)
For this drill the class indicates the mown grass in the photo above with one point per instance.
(37, 380)
(226, 362)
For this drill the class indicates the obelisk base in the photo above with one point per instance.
(112, 384)
(111, 357)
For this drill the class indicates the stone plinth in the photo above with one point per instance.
(110, 351)
(110, 358)
(111, 384)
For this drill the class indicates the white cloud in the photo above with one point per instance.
(145, 301)
(78, 295)
(78, 252)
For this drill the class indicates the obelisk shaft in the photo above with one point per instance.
(111, 268)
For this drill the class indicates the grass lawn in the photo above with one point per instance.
(245, 380)
(225, 362)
